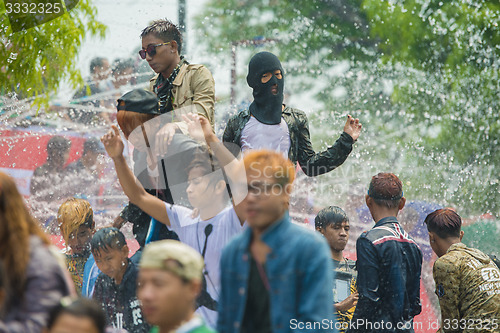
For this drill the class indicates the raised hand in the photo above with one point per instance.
(164, 138)
(199, 127)
(352, 127)
(113, 142)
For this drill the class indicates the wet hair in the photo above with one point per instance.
(269, 162)
(92, 145)
(330, 215)
(73, 214)
(57, 146)
(119, 65)
(444, 222)
(107, 239)
(80, 307)
(386, 190)
(205, 160)
(129, 120)
(16, 226)
(96, 62)
(165, 30)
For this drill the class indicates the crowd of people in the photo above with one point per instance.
(218, 250)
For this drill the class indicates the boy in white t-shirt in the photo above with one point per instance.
(207, 229)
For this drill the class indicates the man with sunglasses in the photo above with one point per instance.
(269, 124)
(178, 84)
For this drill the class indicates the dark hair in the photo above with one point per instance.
(107, 238)
(57, 146)
(386, 190)
(165, 30)
(96, 62)
(121, 64)
(80, 307)
(444, 222)
(3, 278)
(330, 215)
(93, 145)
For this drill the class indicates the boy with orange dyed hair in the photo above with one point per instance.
(275, 276)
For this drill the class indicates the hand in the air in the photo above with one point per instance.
(113, 142)
(352, 127)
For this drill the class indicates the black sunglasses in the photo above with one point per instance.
(151, 50)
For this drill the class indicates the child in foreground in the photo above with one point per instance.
(115, 286)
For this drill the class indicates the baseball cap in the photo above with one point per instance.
(139, 100)
(174, 257)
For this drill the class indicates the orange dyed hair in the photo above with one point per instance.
(129, 120)
(16, 227)
(72, 214)
(269, 162)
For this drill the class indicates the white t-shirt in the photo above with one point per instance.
(257, 135)
(191, 231)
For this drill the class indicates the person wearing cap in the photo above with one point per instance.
(389, 264)
(270, 124)
(178, 84)
(169, 281)
(139, 109)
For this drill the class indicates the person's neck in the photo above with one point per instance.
(381, 213)
(171, 327)
(166, 74)
(337, 255)
(258, 232)
(211, 210)
(119, 280)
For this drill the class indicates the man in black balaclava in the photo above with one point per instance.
(268, 91)
(270, 124)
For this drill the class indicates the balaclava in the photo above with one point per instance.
(266, 107)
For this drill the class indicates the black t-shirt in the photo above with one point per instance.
(257, 316)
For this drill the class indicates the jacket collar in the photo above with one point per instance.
(386, 220)
(182, 72)
(273, 236)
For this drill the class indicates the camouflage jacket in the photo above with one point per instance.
(468, 287)
(301, 150)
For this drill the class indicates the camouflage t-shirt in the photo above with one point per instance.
(468, 287)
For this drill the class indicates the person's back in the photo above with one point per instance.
(389, 264)
(399, 264)
(467, 280)
(468, 275)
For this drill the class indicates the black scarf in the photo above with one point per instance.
(163, 88)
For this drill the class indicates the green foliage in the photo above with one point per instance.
(422, 75)
(36, 60)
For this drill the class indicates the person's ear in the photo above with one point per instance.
(461, 235)
(402, 203)
(125, 250)
(368, 200)
(194, 288)
(431, 237)
(173, 46)
(321, 230)
(220, 187)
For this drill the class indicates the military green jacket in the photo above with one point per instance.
(301, 150)
(468, 287)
